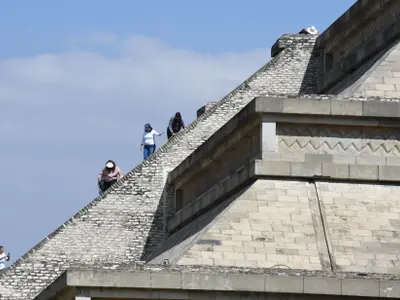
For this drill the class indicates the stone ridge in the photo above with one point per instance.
(128, 220)
(334, 97)
(292, 40)
(237, 270)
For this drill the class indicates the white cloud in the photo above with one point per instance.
(65, 114)
(146, 81)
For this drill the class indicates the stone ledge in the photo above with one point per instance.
(331, 158)
(328, 107)
(311, 110)
(217, 281)
(354, 172)
(291, 40)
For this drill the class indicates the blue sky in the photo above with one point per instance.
(78, 79)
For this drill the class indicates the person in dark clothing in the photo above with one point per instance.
(176, 124)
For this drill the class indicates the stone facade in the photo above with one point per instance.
(128, 221)
(336, 140)
(363, 225)
(379, 78)
(269, 224)
(302, 222)
(360, 34)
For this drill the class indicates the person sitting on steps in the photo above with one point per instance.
(148, 145)
(108, 176)
(176, 124)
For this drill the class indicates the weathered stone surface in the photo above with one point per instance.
(363, 226)
(126, 223)
(271, 223)
(311, 225)
(339, 140)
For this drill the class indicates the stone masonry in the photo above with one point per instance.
(363, 222)
(127, 222)
(269, 224)
(380, 78)
(310, 224)
(275, 222)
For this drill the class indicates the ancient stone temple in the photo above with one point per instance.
(287, 187)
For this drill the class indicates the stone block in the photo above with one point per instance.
(268, 104)
(201, 295)
(173, 295)
(318, 158)
(353, 108)
(293, 156)
(306, 169)
(271, 156)
(371, 160)
(364, 172)
(344, 159)
(268, 136)
(384, 87)
(376, 79)
(336, 171)
(141, 279)
(361, 288)
(306, 106)
(393, 161)
(380, 109)
(391, 173)
(284, 284)
(245, 282)
(170, 280)
(375, 93)
(325, 286)
(279, 168)
(202, 281)
(393, 94)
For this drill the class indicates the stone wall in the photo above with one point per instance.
(362, 32)
(379, 78)
(225, 161)
(300, 224)
(270, 224)
(363, 222)
(216, 175)
(195, 295)
(339, 144)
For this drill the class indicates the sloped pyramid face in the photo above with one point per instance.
(295, 224)
(268, 224)
(127, 222)
(379, 77)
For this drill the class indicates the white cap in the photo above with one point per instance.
(312, 30)
(109, 165)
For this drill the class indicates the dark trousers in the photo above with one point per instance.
(105, 185)
(169, 133)
(148, 150)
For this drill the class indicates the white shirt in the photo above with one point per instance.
(148, 137)
(3, 259)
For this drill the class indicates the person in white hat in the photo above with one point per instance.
(309, 30)
(109, 175)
